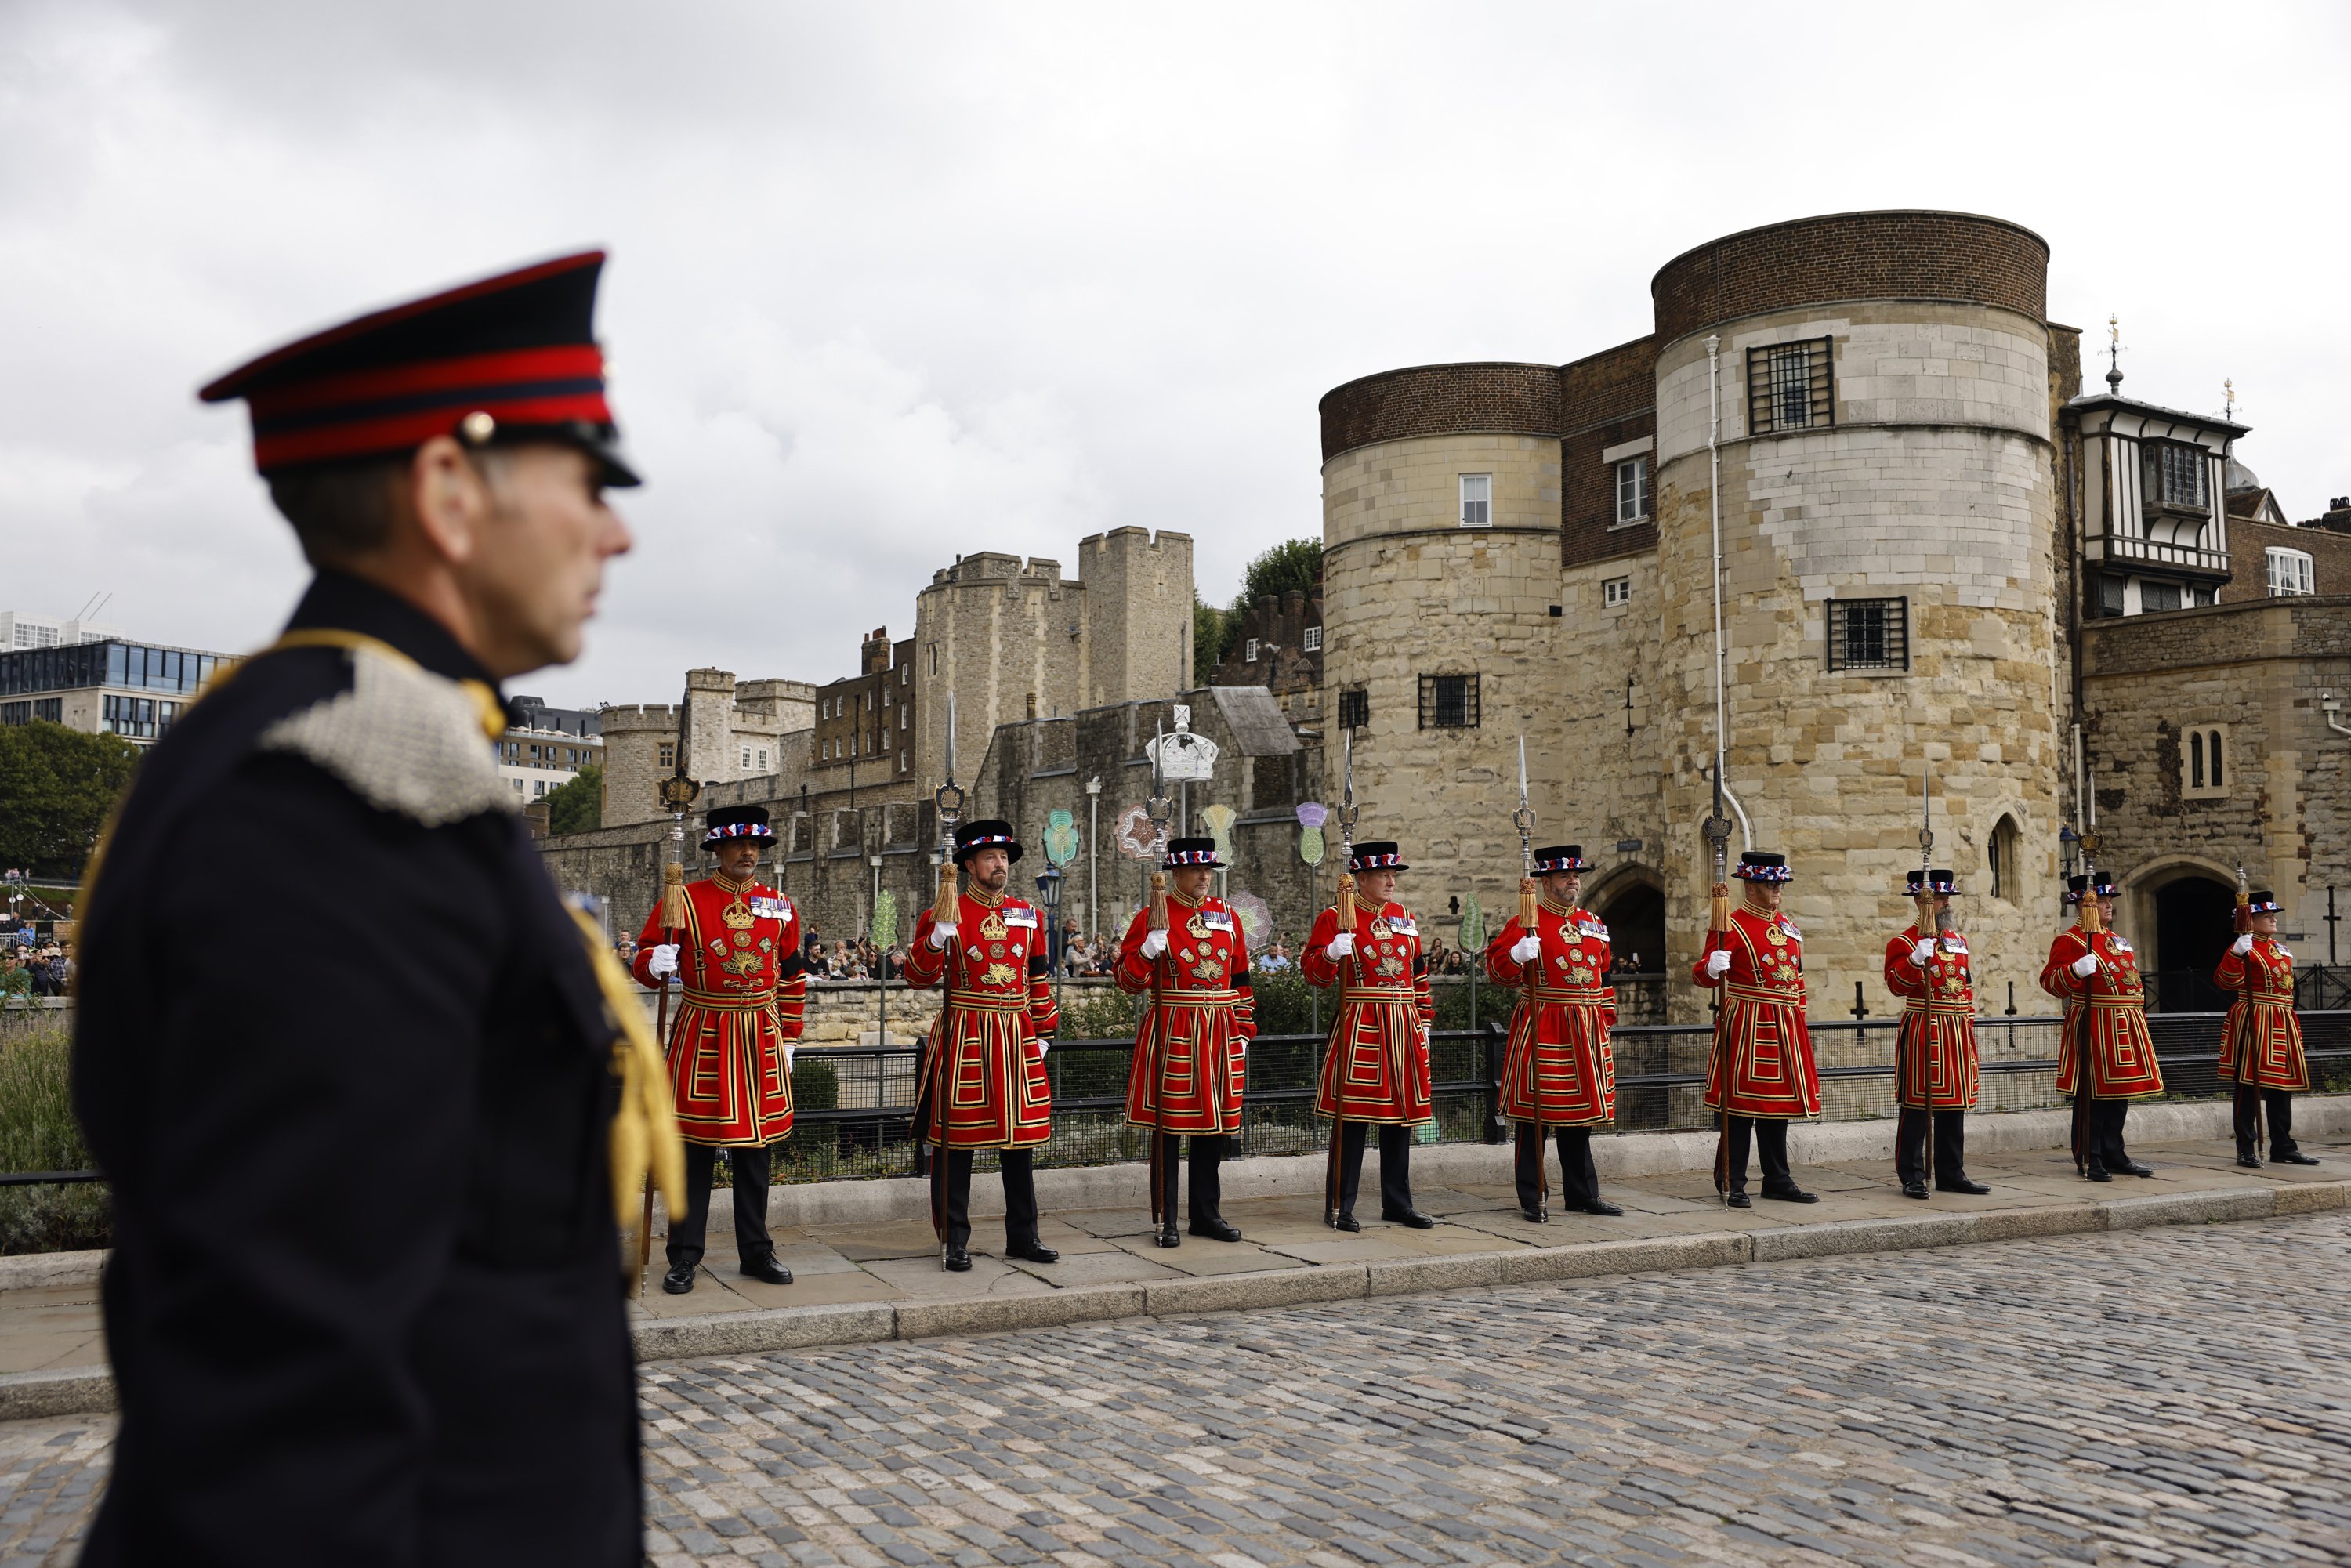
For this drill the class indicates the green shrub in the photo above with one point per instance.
(38, 1132)
(815, 1085)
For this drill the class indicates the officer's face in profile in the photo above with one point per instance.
(1376, 886)
(989, 869)
(738, 858)
(525, 533)
(2264, 924)
(1192, 881)
(1564, 885)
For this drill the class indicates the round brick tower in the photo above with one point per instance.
(1889, 531)
(1441, 564)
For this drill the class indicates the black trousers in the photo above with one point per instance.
(2098, 1132)
(687, 1231)
(951, 1197)
(1347, 1167)
(1207, 1195)
(1579, 1183)
(1771, 1136)
(1950, 1146)
(2279, 1104)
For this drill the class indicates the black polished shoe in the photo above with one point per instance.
(1737, 1200)
(2296, 1158)
(2250, 1163)
(1411, 1219)
(1972, 1188)
(768, 1271)
(1345, 1222)
(1033, 1252)
(1790, 1195)
(1534, 1216)
(2097, 1172)
(679, 1280)
(1914, 1189)
(1597, 1207)
(1216, 1231)
(957, 1261)
(1168, 1237)
(2132, 1167)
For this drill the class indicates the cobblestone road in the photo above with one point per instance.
(2168, 1396)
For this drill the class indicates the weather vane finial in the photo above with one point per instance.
(2115, 353)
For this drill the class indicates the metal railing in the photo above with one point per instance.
(867, 1131)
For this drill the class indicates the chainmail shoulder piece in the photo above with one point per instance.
(403, 739)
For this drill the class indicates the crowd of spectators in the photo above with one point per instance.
(30, 966)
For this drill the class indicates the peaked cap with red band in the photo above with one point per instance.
(510, 358)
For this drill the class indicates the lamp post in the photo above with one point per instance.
(1093, 832)
(1049, 897)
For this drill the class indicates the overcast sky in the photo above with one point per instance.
(891, 283)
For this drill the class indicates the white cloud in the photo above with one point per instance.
(893, 283)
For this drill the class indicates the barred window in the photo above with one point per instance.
(2175, 474)
(1633, 490)
(1788, 387)
(1448, 702)
(1477, 500)
(1354, 707)
(1869, 633)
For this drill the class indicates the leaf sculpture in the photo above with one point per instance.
(1060, 838)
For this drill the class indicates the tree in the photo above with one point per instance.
(1207, 639)
(1292, 564)
(576, 805)
(57, 786)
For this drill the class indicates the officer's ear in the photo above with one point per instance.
(449, 498)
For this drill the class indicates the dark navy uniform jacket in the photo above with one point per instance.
(344, 1058)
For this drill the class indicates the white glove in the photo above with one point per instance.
(943, 936)
(1154, 944)
(2087, 964)
(787, 1060)
(1526, 949)
(1341, 945)
(1044, 1044)
(1924, 951)
(2242, 944)
(1423, 1042)
(1717, 963)
(663, 963)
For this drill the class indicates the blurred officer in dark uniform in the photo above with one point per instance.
(365, 1303)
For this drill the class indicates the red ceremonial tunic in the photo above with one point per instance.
(739, 959)
(1374, 1066)
(1558, 1071)
(2261, 1045)
(984, 1076)
(1763, 1063)
(1935, 1066)
(2107, 1008)
(1191, 1050)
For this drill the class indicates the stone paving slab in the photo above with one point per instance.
(871, 1280)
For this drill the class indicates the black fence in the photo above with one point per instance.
(864, 1127)
(855, 1103)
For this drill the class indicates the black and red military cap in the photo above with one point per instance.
(511, 358)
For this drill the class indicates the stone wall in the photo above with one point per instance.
(1033, 770)
(2258, 671)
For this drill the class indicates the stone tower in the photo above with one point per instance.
(1889, 537)
(1438, 622)
(1138, 619)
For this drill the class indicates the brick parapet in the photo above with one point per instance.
(1885, 256)
(1441, 400)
